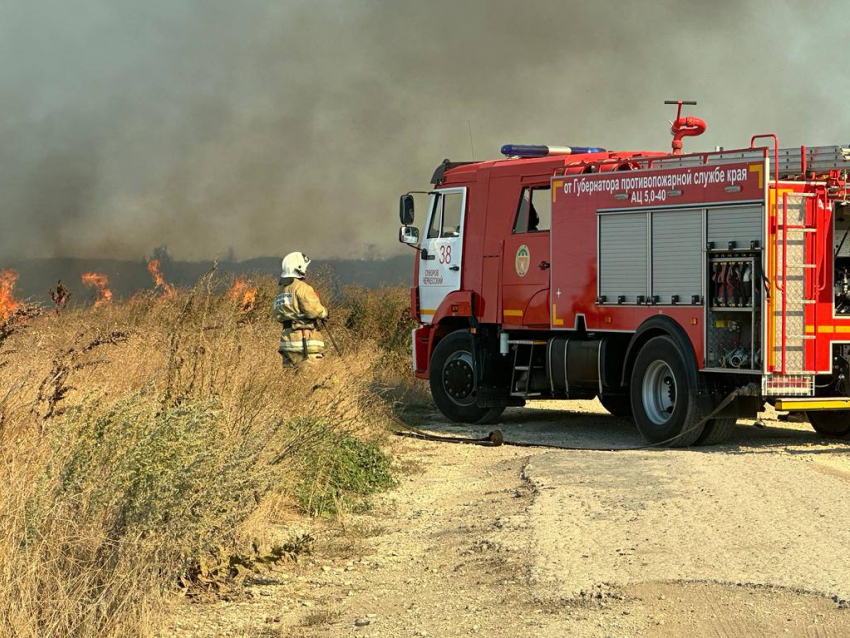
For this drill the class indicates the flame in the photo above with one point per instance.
(8, 305)
(158, 280)
(243, 293)
(100, 283)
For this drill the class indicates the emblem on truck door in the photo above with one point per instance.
(523, 259)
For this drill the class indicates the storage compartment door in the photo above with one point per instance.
(623, 256)
(677, 256)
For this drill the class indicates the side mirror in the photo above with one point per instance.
(405, 209)
(408, 235)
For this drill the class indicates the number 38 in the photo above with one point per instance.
(445, 254)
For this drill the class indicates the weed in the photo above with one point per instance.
(137, 438)
(322, 617)
(342, 474)
(221, 572)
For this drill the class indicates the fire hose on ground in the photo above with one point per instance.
(497, 438)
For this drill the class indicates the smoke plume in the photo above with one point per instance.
(260, 127)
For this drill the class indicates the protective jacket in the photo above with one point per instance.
(298, 308)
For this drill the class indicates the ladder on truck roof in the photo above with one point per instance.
(819, 159)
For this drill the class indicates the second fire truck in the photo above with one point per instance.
(661, 283)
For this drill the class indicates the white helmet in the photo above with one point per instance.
(294, 265)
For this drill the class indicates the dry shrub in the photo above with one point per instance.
(384, 312)
(136, 437)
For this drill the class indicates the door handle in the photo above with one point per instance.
(543, 265)
(426, 256)
(454, 267)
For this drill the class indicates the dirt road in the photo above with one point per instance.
(748, 538)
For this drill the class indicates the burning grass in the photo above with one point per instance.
(100, 283)
(161, 286)
(136, 437)
(8, 304)
(244, 293)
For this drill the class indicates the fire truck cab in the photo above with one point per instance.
(684, 291)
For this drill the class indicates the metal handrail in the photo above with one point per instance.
(775, 153)
(775, 229)
(784, 276)
(822, 270)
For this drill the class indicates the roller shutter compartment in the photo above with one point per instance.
(622, 256)
(740, 224)
(677, 255)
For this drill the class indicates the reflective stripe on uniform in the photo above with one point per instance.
(313, 346)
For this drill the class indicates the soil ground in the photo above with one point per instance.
(744, 539)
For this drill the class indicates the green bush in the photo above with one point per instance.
(341, 474)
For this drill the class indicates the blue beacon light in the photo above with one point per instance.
(531, 150)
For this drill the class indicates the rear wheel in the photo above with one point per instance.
(716, 431)
(617, 404)
(664, 395)
(453, 384)
(831, 423)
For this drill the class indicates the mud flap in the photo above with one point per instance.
(742, 407)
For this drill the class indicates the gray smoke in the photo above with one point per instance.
(261, 127)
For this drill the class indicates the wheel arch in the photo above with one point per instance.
(442, 329)
(660, 326)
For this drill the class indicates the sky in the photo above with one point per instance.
(238, 129)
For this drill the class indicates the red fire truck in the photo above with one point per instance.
(661, 283)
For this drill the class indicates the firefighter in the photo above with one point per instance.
(298, 308)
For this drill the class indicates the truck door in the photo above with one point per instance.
(525, 269)
(441, 250)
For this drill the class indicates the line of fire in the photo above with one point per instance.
(243, 292)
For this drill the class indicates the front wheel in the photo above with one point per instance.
(453, 383)
(664, 395)
(831, 423)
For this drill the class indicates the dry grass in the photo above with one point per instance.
(136, 437)
(322, 617)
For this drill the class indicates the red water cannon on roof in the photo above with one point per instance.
(684, 126)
